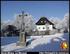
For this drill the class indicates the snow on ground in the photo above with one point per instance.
(58, 35)
(10, 47)
(39, 43)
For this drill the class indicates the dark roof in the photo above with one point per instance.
(43, 21)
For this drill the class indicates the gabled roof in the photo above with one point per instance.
(43, 21)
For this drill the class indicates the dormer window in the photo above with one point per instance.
(41, 21)
(45, 21)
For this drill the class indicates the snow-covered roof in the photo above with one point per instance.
(43, 21)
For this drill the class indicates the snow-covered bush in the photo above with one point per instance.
(65, 22)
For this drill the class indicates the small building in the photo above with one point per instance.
(44, 26)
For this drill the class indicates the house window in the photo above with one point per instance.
(26, 15)
(41, 21)
(39, 27)
(43, 27)
(19, 15)
(47, 27)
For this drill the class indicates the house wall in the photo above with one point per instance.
(44, 27)
(41, 27)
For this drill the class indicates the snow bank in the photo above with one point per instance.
(39, 41)
(45, 39)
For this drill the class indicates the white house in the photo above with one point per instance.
(44, 25)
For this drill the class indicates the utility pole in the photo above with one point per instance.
(22, 37)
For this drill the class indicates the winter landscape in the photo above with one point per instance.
(36, 43)
(29, 34)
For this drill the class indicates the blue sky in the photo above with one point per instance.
(35, 8)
